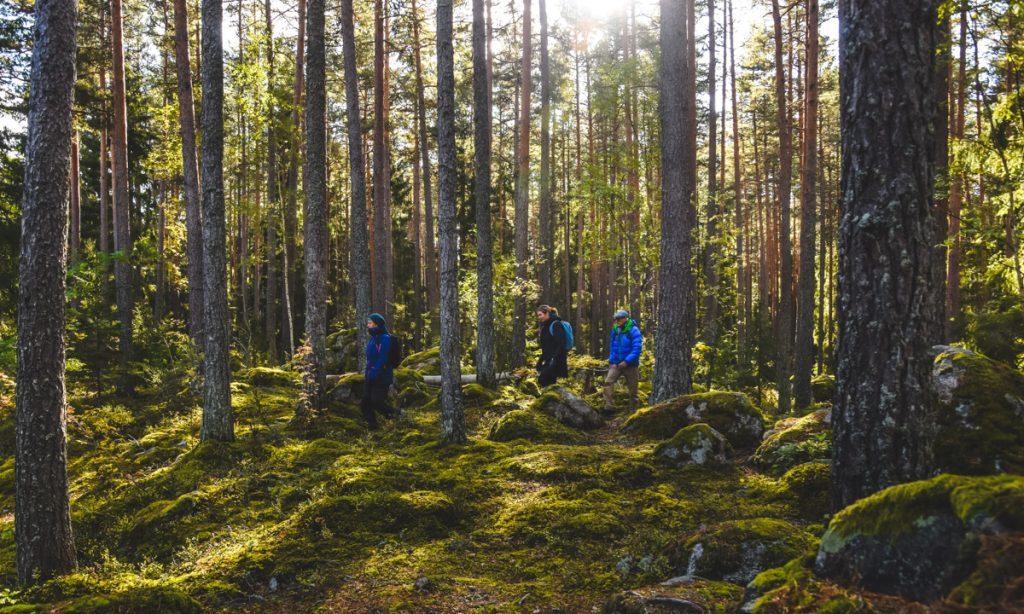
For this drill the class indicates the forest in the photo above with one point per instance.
(511, 306)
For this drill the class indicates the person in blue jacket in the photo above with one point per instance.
(623, 358)
(379, 374)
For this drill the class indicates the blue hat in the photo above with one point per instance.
(622, 313)
(378, 319)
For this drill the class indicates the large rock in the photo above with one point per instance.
(796, 440)
(921, 539)
(531, 426)
(677, 597)
(427, 362)
(809, 487)
(568, 409)
(980, 404)
(697, 444)
(730, 413)
(737, 550)
(343, 350)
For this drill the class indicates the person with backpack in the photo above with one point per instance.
(623, 358)
(555, 336)
(380, 370)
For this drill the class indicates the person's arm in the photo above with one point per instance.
(611, 348)
(636, 346)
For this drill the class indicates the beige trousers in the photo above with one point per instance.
(632, 375)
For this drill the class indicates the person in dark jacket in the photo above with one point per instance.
(553, 353)
(623, 358)
(379, 375)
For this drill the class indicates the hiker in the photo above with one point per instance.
(552, 333)
(623, 358)
(379, 374)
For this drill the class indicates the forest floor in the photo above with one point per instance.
(322, 515)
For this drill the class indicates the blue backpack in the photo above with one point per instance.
(570, 343)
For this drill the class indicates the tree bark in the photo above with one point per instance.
(482, 198)
(804, 355)
(956, 189)
(890, 306)
(44, 542)
(291, 210)
(522, 196)
(784, 317)
(359, 243)
(430, 254)
(710, 336)
(453, 422)
(547, 245)
(672, 367)
(743, 299)
(218, 419)
(75, 235)
(273, 201)
(122, 233)
(383, 282)
(190, 172)
(104, 241)
(314, 223)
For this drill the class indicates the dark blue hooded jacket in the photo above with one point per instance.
(377, 369)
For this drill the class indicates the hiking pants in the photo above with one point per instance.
(375, 400)
(632, 375)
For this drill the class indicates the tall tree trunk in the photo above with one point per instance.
(578, 193)
(522, 214)
(383, 283)
(672, 367)
(433, 296)
(710, 336)
(273, 201)
(190, 172)
(291, 210)
(544, 214)
(75, 236)
(956, 190)
(453, 422)
(104, 240)
(890, 308)
(743, 299)
(804, 354)
(784, 317)
(359, 243)
(161, 255)
(122, 234)
(482, 199)
(44, 543)
(314, 222)
(218, 419)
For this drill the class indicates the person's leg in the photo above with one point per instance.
(633, 381)
(381, 401)
(545, 379)
(609, 385)
(367, 407)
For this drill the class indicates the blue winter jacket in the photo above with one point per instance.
(377, 369)
(626, 344)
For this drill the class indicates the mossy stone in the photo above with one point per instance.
(920, 539)
(730, 413)
(567, 408)
(796, 440)
(427, 362)
(476, 395)
(696, 595)
(269, 376)
(809, 485)
(531, 426)
(980, 416)
(823, 388)
(697, 444)
(737, 550)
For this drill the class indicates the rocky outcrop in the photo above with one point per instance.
(730, 413)
(697, 444)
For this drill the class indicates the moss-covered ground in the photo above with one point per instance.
(323, 515)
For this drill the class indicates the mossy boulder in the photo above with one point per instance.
(823, 388)
(529, 387)
(532, 426)
(796, 440)
(476, 395)
(919, 540)
(567, 408)
(737, 550)
(427, 362)
(729, 413)
(348, 389)
(793, 587)
(809, 486)
(269, 376)
(343, 350)
(980, 419)
(692, 596)
(697, 444)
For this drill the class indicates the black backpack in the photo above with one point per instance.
(396, 353)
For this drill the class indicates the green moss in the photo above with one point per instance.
(795, 440)
(823, 388)
(531, 426)
(794, 588)
(427, 362)
(156, 599)
(320, 452)
(980, 414)
(476, 395)
(1000, 565)
(810, 487)
(730, 413)
(895, 511)
(268, 376)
